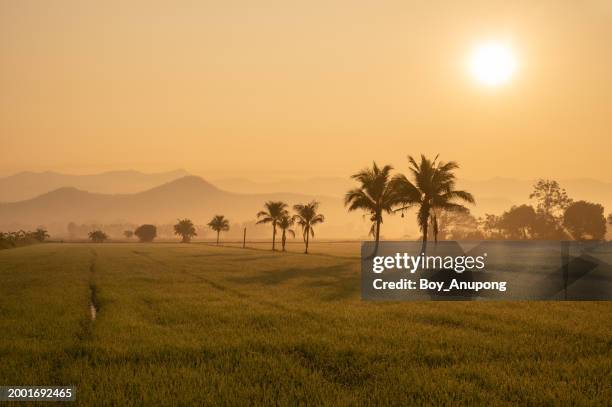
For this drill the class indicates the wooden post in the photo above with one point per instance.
(565, 260)
(244, 239)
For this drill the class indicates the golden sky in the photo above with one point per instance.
(277, 89)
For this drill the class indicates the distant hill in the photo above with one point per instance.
(493, 195)
(199, 200)
(27, 185)
(189, 196)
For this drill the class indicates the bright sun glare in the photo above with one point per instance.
(493, 63)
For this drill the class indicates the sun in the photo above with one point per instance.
(493, 63)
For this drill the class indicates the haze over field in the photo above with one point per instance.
(286, 101)
(284, 90)
(54, 200)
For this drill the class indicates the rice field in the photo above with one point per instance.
(203, 325)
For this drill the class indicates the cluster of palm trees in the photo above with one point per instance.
(306, 217)
(430, 188)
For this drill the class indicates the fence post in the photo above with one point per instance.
(565, 260)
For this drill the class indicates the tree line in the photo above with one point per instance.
(429, 187)
(22, 238)
(276, 213)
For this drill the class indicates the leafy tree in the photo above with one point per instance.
(519, 222)
(458, 225)
(307, 217)
(585, 220)
(128, 234)
(274, 211)
(285, 223)
(146, 233)
(40, 234)
(185, 229)
(374, 196)
(432, 190)
(551, 199)
(491, 225)
(97, 236)
(219, 224)
(610, 218)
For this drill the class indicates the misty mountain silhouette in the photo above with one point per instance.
(493, 195)
(27, 185)
(189, 196)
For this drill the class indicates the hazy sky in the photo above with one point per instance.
(277, 89)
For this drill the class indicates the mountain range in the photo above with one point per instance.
(54, 199)
(190, 196)
(27, 185)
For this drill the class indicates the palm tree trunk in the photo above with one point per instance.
(307, 236)
(218, 237)
(284, 239)
(424, 245)
(273, 236)
(377, 236)
(435, 230)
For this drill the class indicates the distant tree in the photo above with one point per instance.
(285, 223)
(432, 189)
(551, 199)
(219, 224)
(458, 225)
(585, 221)
(549, 228)
(307, 217)
(491, 226)
(185, 229)
(374, 196)
(274, 211)
(610, 218)
(40, 234)
(97, 236)
(518, 222)
(146, 233)
(128, 234)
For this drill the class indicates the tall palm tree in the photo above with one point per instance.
(375, 196)
(307, 217)
(275, 210)
(432, 190)
(285, 224)
(183, 228)
(219, 224)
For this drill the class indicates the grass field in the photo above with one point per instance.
(197, 324)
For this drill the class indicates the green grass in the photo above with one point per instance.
(196, 324)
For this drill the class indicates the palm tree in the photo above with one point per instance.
(374, 196)
(219, 224)
(275, 210)
(432, 190)
(185, 229)
(285, 224)
(307, 217)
